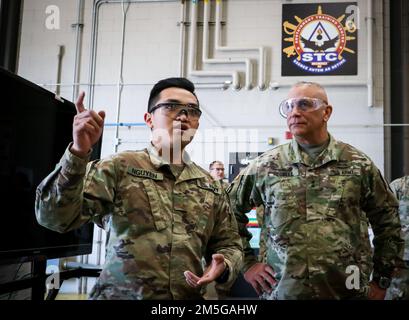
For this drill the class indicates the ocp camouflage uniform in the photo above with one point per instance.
(214, 290)
(224, 184)
(316, 219)
(399, 289)
(158, 226)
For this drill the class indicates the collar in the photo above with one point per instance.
(191, 170)
(331, 153)
(158, 161)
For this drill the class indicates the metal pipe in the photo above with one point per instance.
(182, 47)
(387, 152)
(94, 40)
(205, 50)
(369, 22)
(121, 67)
(218, 47)
(82, 283)
(348, 83)
(193, 53)
(99, 246)
(61, 52)
(78, 36)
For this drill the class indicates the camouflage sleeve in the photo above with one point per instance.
(75, 193)
(243, 197)
(396, 188)
(225, 239)
(381, 208)
(263, 241)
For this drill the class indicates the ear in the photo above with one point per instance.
(148, 119)
(327, 113)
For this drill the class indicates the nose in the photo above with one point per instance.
(182, 115)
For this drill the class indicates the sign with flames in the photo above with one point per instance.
(319, 39)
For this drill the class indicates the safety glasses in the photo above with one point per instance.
(304, 104)
(173, 109)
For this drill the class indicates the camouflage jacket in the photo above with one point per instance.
(400, 188)
(315, 222)
(224, 184)
(157, 226)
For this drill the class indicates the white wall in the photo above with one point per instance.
(152, 52)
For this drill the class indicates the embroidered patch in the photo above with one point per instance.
(208, 186)
(143, 173)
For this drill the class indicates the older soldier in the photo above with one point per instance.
(399, 289)
(216, 169)
(319, 194)
(161, 211)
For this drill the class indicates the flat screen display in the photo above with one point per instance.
(35, 129)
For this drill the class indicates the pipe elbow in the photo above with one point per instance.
(262, 87)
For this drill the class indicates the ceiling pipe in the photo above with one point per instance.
(94, 40)
(182, 41)
(193, 54)
(120, 86)
(369, 22)
(261, 50)
(205, 53)
(79, 25)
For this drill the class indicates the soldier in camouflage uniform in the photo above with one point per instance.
(399, 289)
(319, 194)
(162, 213)
(216, 170)
(217, 291)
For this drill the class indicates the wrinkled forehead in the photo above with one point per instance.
(309, 91)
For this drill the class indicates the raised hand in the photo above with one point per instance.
(87, 128)
(212, 272)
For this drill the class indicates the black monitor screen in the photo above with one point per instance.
(35, 129)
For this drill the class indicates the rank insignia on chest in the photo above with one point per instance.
(143, 173)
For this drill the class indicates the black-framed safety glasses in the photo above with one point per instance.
(174, 109)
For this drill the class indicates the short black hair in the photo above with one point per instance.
(182, 83)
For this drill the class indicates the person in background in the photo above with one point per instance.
(399, 288)
(319, 194)
(162, 212)
(216, 169)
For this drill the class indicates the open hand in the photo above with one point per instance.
(212, 272)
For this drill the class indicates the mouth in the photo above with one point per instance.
(184, 127)
(296, 124)
(181, 126)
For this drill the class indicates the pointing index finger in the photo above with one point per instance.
(79, 105)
